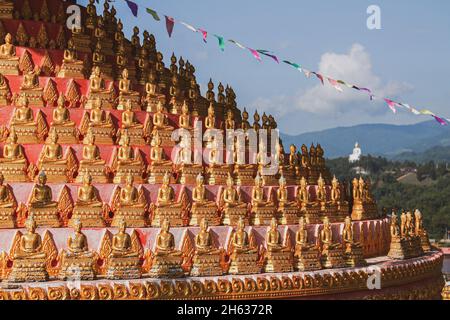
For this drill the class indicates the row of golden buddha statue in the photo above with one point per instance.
(126, 258)
(131, 205)
(409, 239)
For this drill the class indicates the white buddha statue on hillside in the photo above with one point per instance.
(356, 155)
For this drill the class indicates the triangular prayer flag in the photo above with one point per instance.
(221, 42)
(440, 120)
(153, 13)
(295, 65)
(255, 54)
(170, 22)
(237, 43)
(365, 89)
(188, 26)
(335, 84)
(391, 105)
(307, 73)
(204, 34)
(320, 77)
(266, 53)
(426, 112)
(133, 7)
(413, 110)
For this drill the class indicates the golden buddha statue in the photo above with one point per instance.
(5, 92)
(310, 209)
(52, 160)
(202, 208)
(294, 165)
(62, 125)
(91, 15)
(278, 257)
(256, 118)
(77, 262)
(8, 205)
(400, 246)
(92, 162)
(263, 208)
(153, 92)
(232, 206)
(124, 260)
(337, 199)
(127, 161)
(167, 259)
(126, 94)
(420, 231)
(264, 166)
(364, 207)
(161, 126)
(210, 120)
(71, 67)
(159, 165)
(132, 127)
(30, 87)
(101, 125)
(89, 208)
(131, 206)
(175, 93)
(306, 256)
(217, 171)
(332, 253)
(167, 206)
(288, 211)
(9, 62)
(184, 121)
(29, 260)
(28, 129)
(41, 204)
(14, 165)
(206, 261)
(353, 251)
(230, 124)
(98, 94)
(245, 125)
(243, 256)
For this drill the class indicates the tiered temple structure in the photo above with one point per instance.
(86, 118)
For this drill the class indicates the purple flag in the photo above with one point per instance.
(133, 7)
(170, 22)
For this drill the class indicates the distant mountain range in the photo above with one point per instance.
(391, 141)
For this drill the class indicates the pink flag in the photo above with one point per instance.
(170, 22)
(391, 105)
(255, 54)
(335, 84)
(440, 120)
(204, 34)
(320, 77)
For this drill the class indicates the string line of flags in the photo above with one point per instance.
(258, 53)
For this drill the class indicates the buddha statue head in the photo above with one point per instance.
(125, 141)
(24, 101)
(273, 224)
(8, 38)
(87, 179)
(61, 101)
(166, 179)
(185, 109)
(335, 182)
(125, 74)
(42, 178)
(245, 115)
(129, 180)
(53, 137)
(204, 225)
(199, 180)
(347, 222)
(156, 140)
(326, 223)
(77, 225)
(12, 138)
(293, 149)
(282, 182)
(122, 226)
(30, 224)
(302, 223)
(320, 181)
(165, 226)
(96, 70)
(90, 138)
(256, 116)
(230, 182)
(159, 107)
(128, 105)
(303, 182)
(258, 181)
(241, 224)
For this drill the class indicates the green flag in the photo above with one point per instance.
(295, 65)
(221, 42)
(154, 14)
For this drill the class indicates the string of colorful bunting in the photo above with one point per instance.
(256, 53)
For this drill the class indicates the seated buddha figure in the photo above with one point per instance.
(421, 232)
(331, 251)
(167, 206)
(62, 125)
(13, 164)
(159, 165)
(201, 207)
(263, 208)
(97, 91)
(217, 171)
(41, 204)
(131, 126)
(131, 206)
(167, 259)
(206, 261)
(71, 67)
(29, 260)
(364, 206)
(278, 257)
(308, 208)
(9, 62)
(327, 207)
(51, 160)
(8, 205)
(243, 257)
(288, 211)
(186, 169)
(399, 247)
(5, 93)
(291, 169)
(124, 261)
(264, 166)
(127, 94)
(24, 124)
(92, 162)
(353, 251)
(153, 92)
(30, 87)
(210, 120)
(88, 207)
(337, 200)
(184, 121)
(77, 260)
(306, 256)
(232, 207)
(127, 161)
(230, 124)
(161, 127)
(101, 125)
(175, 93)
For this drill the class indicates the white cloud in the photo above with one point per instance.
(354, 67)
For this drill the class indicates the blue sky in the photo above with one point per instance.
(408, 59)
